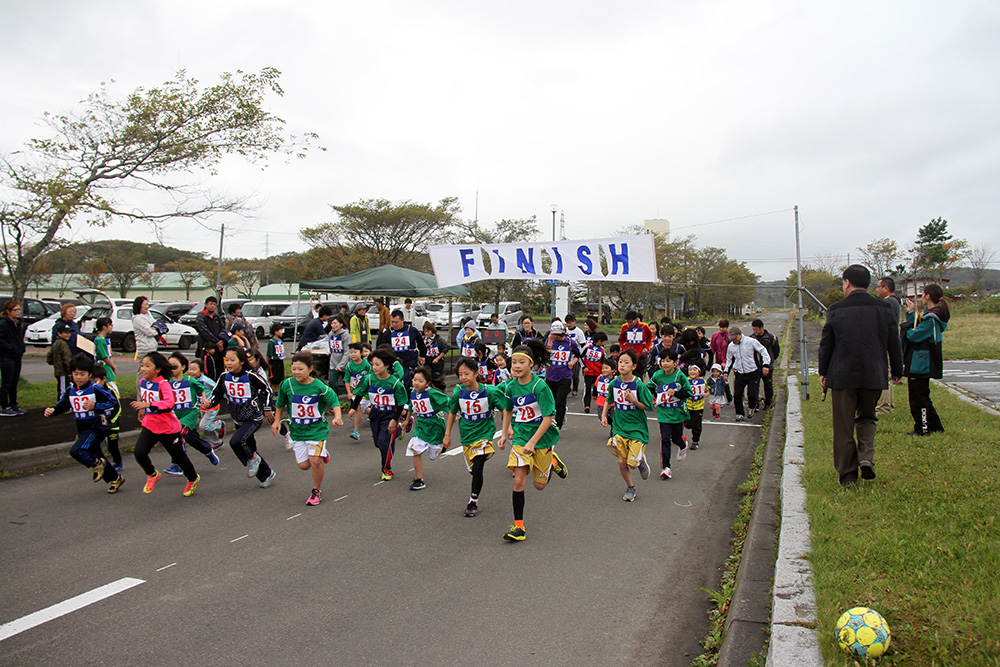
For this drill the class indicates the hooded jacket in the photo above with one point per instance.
(923, 357)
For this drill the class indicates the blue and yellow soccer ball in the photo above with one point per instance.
(863, 632)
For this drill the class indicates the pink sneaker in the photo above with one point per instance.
(315, 498)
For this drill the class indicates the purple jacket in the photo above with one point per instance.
(562, 350)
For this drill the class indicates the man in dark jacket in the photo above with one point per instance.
(770, 343)
(407, 344)
(315, 328)
(859, 336)
(211, 348)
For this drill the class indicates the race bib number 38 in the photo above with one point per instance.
(421, 403)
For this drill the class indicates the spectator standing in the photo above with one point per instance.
(315, 328)
(211, 347)
(858, 339)
(741, 357)
(314, 305)
(359, 326)
(383, 315)
(11, 352)
(408, 311)
(525, 331)
(145, 334)
(886, 290)
(924, 359)
(770, 343)
(67, 316)
(340, 343)
(407, 344)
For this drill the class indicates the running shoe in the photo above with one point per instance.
(8, 412)
(694, 445)
(270, 478)
(114, 484)
(515, 534)
(98, 469)
(750, 413)
(222, 431)
(740, 418)
(558, 466)
(173, 469)
(119, 467)
(629, 494)
(355, 435)
(387, 475)
(682, 454)
(643, 468)
(19, 411)
(213, 458)
(471, 509)
(665, 473)
(192, 487)
(867, 469)
(586, 408)
(151, 481)
(315, 498)
(418, 484)
(253, 465)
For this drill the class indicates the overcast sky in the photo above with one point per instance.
(872, 117)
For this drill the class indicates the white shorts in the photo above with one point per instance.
(364, 405)
(716, 400)
(418, 446)
(305, 448)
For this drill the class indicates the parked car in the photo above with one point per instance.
(174, 310)
(293, 317)
(32, 310)
(223, 310)
(593, 310)
(122, 335)
(510, 313)
(460, 314)
(39, 334)
(260, 315)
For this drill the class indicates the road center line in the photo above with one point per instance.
(238, 539)
(377, 483)
(293, 516)
(165, 567)
(340, 498)
(8, 630)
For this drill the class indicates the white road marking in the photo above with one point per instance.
(340, 498)
(238, 539)
(653, 419)
(451, 452)
(293, 516)
(165, 567)
(680, 505)
(377, 483)
(8, 630)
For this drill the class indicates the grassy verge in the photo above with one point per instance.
(971, 336)
(43, 394)
(921, 544)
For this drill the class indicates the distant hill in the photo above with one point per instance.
(68, 258)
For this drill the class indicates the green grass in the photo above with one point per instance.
(43, 394)
(971, 336)
(920, 544)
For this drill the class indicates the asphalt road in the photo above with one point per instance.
(377, 574)
(981, 378)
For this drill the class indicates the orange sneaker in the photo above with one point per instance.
(192, 487)
(151, 481)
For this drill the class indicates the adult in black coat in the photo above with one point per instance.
(211, 348)
(315, 329)
(858, 350)
(406, 342)
(11, 351)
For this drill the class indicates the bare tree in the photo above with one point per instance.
(881, 256)
(980, 257)
(151, 279)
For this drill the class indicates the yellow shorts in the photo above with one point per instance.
(540, 462)
(631, 450)
(478, 448)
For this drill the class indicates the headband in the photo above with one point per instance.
(525, 355)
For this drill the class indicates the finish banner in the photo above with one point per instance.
(628, 258)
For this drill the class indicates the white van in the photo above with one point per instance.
(510, 313)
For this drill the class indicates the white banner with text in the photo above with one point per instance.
(628, 258)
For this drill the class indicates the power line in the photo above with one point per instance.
(742, 217)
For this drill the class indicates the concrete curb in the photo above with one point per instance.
(968, 397)
(793, 612)
(749, 611)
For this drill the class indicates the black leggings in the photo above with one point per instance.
(588, 388)
(244, 445)
(560, 391)
(477, 474)
(695, 420)
(172, 442)
(925, 417)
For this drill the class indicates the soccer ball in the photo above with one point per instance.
(863, 632)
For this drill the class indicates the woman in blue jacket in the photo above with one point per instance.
(922, 356)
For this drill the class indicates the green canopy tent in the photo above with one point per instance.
(387, 280)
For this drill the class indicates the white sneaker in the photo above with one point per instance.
(682, 454)
(665, 473)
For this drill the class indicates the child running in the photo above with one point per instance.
(187, 394)
(276, 356)
(602, 387)
(248, 397)
(474, 403)
(388, 399)
(357, 368)
(671, 388)
(210, 425)
(102, 351)
(487, 367)
(531, 406)
(716, 391)
(112, 427)
(593, 356)
(427, 403)
(502, 373)
(159, 423)
(88, 401)
(307, 400)
(629, 432)
(696, 404)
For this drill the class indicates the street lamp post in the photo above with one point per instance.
(553, 284)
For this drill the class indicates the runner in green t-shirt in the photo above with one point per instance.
(629, 433)
(427, 403)
(187, 392)
(388, 400)
(102, 349)
(473, 403)
(532, 433)
(670, 388)
(307, 400)
(357, 368)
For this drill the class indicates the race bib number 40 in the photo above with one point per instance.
(382, 398)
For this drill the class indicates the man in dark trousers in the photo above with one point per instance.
(770, 343)
(211, 347)
(859, 337)
(407, 344)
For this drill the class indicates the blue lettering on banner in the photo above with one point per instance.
(586, 264)
(558, 256)
(618, 258)
(526, 264)
(503, 264)
(468, 259)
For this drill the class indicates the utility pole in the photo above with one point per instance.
(552, 283)
(803, 354)
(218, 273)
(267, 258)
